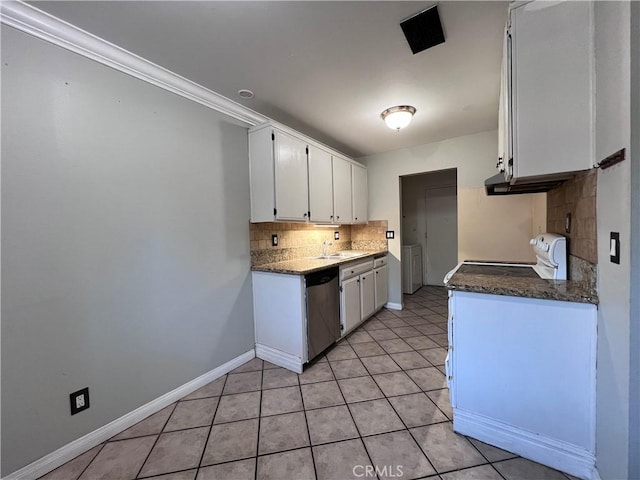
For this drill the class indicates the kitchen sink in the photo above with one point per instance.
(339, 256)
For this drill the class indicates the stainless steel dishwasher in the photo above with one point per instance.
(323, 310)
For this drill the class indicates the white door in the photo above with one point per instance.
(367, 295)
(350, 304)
(382, 288)
(360, 193)
(292, 191)
(342, 207)
(442, 233)
(320, 185)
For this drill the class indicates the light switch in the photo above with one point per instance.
(390, 234)
(614, 247)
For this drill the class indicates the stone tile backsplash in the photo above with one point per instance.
(296, 240)
(577, 197)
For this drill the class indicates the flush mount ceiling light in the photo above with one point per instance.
(398, 117)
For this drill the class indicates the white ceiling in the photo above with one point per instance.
(326, 69)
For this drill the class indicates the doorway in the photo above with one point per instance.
(429, 212)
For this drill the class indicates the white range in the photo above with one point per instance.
(551, 260)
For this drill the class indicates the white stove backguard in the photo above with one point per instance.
(551, 255)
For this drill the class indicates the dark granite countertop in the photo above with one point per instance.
(489, 280)
(302, 266)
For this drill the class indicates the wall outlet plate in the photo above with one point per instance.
(79, 400)
(274, 240)
(336, 235)
(391, 234)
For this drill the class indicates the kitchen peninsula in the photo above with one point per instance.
(521, 366)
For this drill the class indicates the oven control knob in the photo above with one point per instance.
(533, 242)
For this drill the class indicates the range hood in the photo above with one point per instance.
(497, 185)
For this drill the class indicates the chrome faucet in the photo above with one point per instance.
(325, 244)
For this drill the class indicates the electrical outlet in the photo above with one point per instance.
(336, 235)
(391, 234)
(274, 240)
(79, 400)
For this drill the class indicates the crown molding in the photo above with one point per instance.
(33, 21)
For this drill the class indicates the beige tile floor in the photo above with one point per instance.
(378, 398)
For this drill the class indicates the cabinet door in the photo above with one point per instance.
(382, 288)
(350, 304)
(292, 191)
(367, 295)
(342, 207)
(320, 185)
(360, 193)
(552, 72)
(504, 110)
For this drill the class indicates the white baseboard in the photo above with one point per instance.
(71, 450)
(278, 357)
(554, 453)
(393, 306)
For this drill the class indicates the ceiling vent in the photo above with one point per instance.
(423, 30)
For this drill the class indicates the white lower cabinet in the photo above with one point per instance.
(381, 281)
(367, 295)
(522, 374)
(360, 295)
(350, 304)
(280, 319)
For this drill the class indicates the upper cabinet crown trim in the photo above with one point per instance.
(44, 26)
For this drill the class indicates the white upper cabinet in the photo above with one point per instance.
(292, 193)
(295, 179)
(547, 106)
(359, 193)
(278, 179)
(320, 185)
(342, 208)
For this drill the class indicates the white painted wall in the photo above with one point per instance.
(501, 227)
(612, 55)
(125, 244)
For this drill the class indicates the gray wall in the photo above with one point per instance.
(612, 32)
(634, 397)
(125, 244)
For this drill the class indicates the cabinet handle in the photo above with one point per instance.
(356, 218)
(305, 214)
(331, 217)
(338, 217)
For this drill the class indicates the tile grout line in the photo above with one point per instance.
(306, 422)
(90, 462)
(352, 417)
(206, 442)
(255, 464)
(156, 440)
